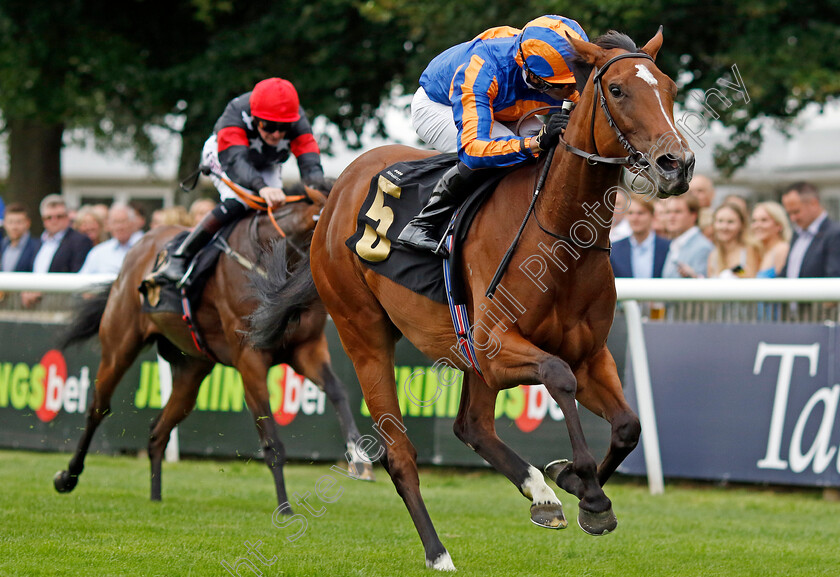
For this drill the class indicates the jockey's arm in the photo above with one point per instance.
(475, 88)
(307, 153)
(233, 156)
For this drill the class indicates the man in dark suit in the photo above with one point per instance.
(18, 248)
(815, 246)
(642, 254)
(62, 248)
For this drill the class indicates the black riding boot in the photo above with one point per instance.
(178, 262)
(447, 195)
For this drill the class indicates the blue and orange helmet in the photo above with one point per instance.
(543, 49)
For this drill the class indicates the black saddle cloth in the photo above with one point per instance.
(167, 297)
(397, 194)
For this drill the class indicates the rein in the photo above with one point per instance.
(634, 158)
(250, 199)
(257, 202)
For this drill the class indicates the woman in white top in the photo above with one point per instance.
(771, 229)
(734, 254)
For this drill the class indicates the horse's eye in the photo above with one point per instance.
(615, 90)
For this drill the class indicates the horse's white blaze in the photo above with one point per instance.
(645, 74)
(535, 488)
(665, 114)
(442, 563)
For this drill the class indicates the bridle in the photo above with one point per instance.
(634, 158)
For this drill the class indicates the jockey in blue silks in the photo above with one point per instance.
(472, 95)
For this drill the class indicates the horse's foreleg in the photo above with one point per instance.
(475, 426)
(312, 360)
(253, 365)
(599, 390)
(117, 356)
(595, 515)
(187, 374)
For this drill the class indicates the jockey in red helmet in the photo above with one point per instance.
(251, 140)
(472, 95)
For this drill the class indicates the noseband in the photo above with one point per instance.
(634, 157)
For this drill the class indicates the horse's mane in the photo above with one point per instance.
(609, 41)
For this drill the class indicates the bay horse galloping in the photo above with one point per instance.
(220, 313)
(557, 333)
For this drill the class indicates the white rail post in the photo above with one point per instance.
(644, 396)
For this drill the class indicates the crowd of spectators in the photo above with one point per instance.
(794, 239)
(688, 236)
(93, 239)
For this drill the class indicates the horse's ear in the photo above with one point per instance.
(316, 196)
(654, 44)
(589, 53)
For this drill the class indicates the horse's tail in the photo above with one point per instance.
(283, 297)
(86, 321)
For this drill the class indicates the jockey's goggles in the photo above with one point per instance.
(539, 84)
(270, 126)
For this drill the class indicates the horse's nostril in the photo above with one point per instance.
(668, 163)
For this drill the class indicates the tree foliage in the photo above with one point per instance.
(119, 71)
(785, 52)
(342, 60)
(85, 64)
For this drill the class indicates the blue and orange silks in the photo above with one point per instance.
(482, 80)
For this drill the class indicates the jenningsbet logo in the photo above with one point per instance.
(222, 390)
(45, 387)
(417, 388)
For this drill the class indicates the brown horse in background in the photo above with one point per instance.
(226, 301)
(549, 323)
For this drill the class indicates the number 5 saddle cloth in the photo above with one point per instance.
(397, 194)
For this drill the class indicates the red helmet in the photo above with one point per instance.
(276, 100)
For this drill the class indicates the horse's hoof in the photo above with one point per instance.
(64, 482)
(597, 524)
(559, 470)
(442, 563)
(362, 471)
(548, 515)
(562, 472)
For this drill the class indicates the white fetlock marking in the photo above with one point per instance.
(442, 563)
(536, 489)
(359, 454)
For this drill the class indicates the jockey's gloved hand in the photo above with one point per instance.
(273, 195)
(549, 134)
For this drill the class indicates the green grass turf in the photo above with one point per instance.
(107, 526)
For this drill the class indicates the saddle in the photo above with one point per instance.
(397, 194)
(166, 297)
